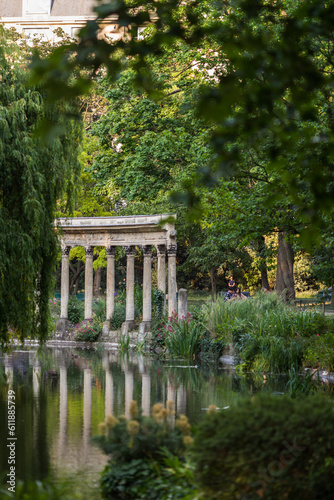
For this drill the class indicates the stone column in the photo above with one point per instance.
(89, 283)
(146, 394)
(172, 306)
(182, 304)
(161, 251)
(87, 406)
(147, 301)
(62, 410)
(130, 290)
(110, 281)
(128, 391)
(65, 282)
(110, 299)
(181, 400)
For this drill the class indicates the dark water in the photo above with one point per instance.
(62, 394)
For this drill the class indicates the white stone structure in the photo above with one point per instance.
(40, 18)
(142, 231)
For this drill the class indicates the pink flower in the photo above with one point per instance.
(317, 334)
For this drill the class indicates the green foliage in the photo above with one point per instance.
(54, 308)
(158, 302)
(35, 173)
(320, 352)
(144, 452)
(99, 310)
(138, 299)
(118, 317)
(147, 480)
(183, 337)
(125, 343)
(302, 384)
(36, 490)
(71, 488)
(75, 310)
(267, 334)
(264, 447)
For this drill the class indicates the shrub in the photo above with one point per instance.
(99, 309)
(118, 317)
(139, 448)
(320, 352)
(88, 331)
(138, 299)
(183, 337)
(54, 307)
(267, 448)
(267, 333)
(300, 384)
(75, 310)
(158, 302)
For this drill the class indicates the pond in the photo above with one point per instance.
(63, 393)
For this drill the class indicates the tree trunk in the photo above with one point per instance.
(74, 285)
(262, 252)
(97, 281)
(213, 271)
(264, 279)
(285, 261)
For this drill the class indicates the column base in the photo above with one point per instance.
(144, 327)
(62, 328)
(128, 325)
(106, 328)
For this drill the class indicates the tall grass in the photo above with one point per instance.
(267, 333)
(183, 338)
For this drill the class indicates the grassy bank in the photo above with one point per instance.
(270, 335)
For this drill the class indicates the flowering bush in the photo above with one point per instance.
(140, 447)
(88, 330)
(54, 307)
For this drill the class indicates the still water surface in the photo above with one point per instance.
(62, 394)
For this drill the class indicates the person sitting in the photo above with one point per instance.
(238, 294)
(228, 295)
(231, 285)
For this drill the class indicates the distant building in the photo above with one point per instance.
(41, 17)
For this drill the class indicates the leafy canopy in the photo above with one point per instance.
(273, 80)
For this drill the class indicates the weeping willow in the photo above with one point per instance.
(35, 173)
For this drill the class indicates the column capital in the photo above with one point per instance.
(66, 250)
(171, 250)
(147, 250)
(110, 250)
(89, 251)
(161, 249)
(129, 250)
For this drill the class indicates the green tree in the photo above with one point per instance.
(35, 172)
(273, 78)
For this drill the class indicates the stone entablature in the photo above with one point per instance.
(116, 231)
(128, 232)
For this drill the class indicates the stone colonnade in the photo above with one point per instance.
(130, 282)
(110, 233)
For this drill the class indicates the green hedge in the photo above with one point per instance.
(271, 448)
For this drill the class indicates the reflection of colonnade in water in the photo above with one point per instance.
(134, 370)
